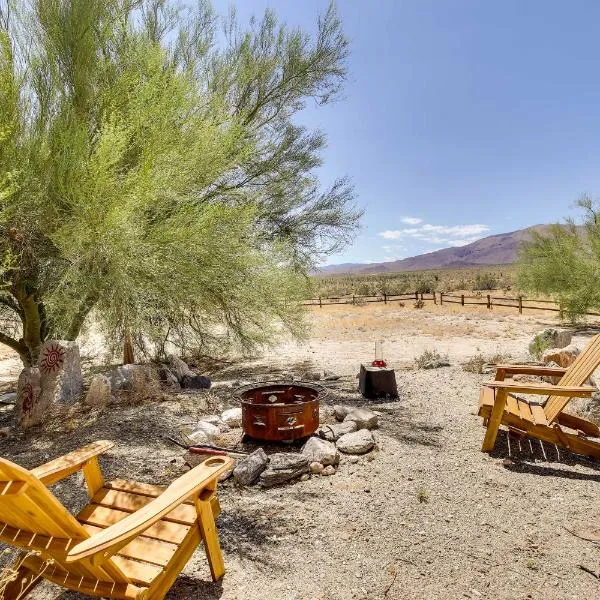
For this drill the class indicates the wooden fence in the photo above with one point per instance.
(519, 303)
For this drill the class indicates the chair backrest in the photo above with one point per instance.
(33, 519)
(577, 374)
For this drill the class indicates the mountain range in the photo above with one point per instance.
(496, 249)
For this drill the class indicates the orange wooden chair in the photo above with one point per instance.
(131, 541)
(547, 420)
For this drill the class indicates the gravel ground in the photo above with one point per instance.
(425, 516)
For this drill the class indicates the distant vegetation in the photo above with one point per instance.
(426, 282)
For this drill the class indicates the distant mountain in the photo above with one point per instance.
(497, 249)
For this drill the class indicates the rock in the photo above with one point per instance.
(31, 407)
(4, 431)
(61, 379)
(358, 442)
(305, 477)
(340, 411)
(328, 470)
(311, 376)
(321, 451)
(330, 376)
(217, 422)
(248, 469)
(199, 437)
(284, 466)
(99, 391)
(353, 459)
(121, 378)
(211, 431)
(563, 357)
(195, 382)
(363, 417)
(179, 368)
(167, 377)
(233, 417)
(316, 468)
(8, 398)
(335, 431)
(549, 338)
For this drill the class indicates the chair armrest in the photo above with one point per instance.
(530, 370)
(584, 391)
(110, 540)
(66, 465)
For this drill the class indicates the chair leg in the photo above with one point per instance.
(20, 587)
(494, 421)
(208, 529)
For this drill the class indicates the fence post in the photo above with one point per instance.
(384, 298)
(441, 298)
(462, 299)
(489, 301)
(353, 300)
(434, 298)
(421, 296)
(417, 296)
(320, 302)
(520, 305)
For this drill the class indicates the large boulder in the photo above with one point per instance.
(359, 442)
(98, 393)
(563, 357)
(61, 379)
(179, 368)
(121, 378)
(363, 417)
(248, 469)
(321, 451)
(30, 408)
(195, 382)
(210, 430)
(284, 466)
(335, 431)
(340, 411)
(549, 338)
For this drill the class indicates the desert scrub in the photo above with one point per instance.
(423, 496)
(540, 344)
(431, 359)
(477, 363)
(485, 281)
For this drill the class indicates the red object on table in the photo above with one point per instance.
(379, 363)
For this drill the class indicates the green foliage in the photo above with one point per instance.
(539, 345)
(157, 179)
(564, 263)
(485, 281)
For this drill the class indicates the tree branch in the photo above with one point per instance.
(17, 346)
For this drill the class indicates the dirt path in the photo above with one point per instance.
(427, 516)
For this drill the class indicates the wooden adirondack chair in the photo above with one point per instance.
(131, 541)
(546, 421)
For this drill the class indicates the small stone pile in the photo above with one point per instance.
(320, 455)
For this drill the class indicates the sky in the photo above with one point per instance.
(460, 118)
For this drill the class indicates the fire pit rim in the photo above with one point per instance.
(321, 390)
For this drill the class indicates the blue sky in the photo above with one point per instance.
(460, 118)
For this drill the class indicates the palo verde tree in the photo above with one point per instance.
(564, 262)
(152, 173)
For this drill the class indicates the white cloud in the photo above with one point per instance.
(411, 220)
(449, 235)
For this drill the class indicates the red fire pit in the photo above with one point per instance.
(282, 411)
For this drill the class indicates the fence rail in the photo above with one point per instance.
(489, 301)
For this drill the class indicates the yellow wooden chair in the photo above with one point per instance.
(131, 541)
(546, 421)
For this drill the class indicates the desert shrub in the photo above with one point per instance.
(485, 281)
(424, 285)
(477, 363)
(539, 345)
(430, 359)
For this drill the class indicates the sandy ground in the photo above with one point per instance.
(427, 516)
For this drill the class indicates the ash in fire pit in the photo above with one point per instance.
(283, 411)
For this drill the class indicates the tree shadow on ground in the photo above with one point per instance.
(525, 453)
(250, 536)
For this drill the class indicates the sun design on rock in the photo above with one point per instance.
(52, 358)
